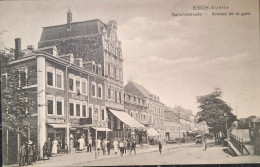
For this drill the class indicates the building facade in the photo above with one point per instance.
(172, 125)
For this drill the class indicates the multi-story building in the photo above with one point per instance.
(65, 92)
(172, 125)
(97, 45)
(153, 117)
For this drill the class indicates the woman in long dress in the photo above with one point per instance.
(54, 147)
(81, 143)
(115, 144)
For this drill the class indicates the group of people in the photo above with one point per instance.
(121, 145)
(28, 153)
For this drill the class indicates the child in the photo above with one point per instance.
(160, 147)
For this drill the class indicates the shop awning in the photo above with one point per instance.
(58, 125)
(80, 126)
(152, 132)
(102, 129)
(127, 119)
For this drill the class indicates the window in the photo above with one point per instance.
(84, 113)
(97, 111)
(93, 89)
(108, 69)
(103, 114)
(109, 93)
(115, 96)
(78, 86)
(84, 88)
(59, 81)
(59, 108)
(93, 67)
(115, 72)
(99, 69)
(119, 97)
(71, 109)
(50, 78)
(71, 84)
(23, 78)
(99, 91)
(50, 106)
(90, 111)
(78, 110)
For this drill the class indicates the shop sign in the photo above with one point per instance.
(54, 120)
(77, 97)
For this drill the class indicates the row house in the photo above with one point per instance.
(172, 125)
(66, 93)
(97, 45)
(153, 114)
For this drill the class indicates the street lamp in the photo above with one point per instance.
(95, 120)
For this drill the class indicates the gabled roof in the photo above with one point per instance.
(77, 29)
(136, 89)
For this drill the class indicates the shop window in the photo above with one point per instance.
(71, 109)
(78, 110)
(50, 106)
(59, 108)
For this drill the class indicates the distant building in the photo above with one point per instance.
(172, 125)
(153, 114)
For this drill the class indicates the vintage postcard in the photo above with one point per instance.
(129, 82)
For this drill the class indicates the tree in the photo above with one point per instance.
(212, 111)
(15, 100)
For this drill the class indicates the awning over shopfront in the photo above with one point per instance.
(58, 125)
(127, 119)
(80, 126)
(102, 129)
(152, 132)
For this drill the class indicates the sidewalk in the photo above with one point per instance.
(70, 159)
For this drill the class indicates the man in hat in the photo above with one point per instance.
(22, 155)
(30, 152)
(160, 147)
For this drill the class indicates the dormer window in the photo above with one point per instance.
(99, 69)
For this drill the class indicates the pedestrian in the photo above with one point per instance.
(54, 149)
(133, 146)
(35, 153)
(204, 145)
(128, 145)
(160, 147)
(30, 153)
(108, 147)
(22, 155)
(98, 145)
(47, 148)
(81, 142)
(121, 146)
(89, 144)
(125, 145)
(115, 144)
(103, 145)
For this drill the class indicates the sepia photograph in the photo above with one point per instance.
(129, 82)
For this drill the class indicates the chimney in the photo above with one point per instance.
(17, 48)
(30, 47)
(69, 20)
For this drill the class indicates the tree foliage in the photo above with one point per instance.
(212, 109)
(243, 123)
(15, 101)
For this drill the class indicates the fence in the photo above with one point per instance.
(238, 143)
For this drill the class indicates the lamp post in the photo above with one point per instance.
(95, 120)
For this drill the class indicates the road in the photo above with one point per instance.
(189, 154)
(183, 155)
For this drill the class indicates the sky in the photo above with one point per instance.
(176, 58)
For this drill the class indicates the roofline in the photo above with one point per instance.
(75, 23)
